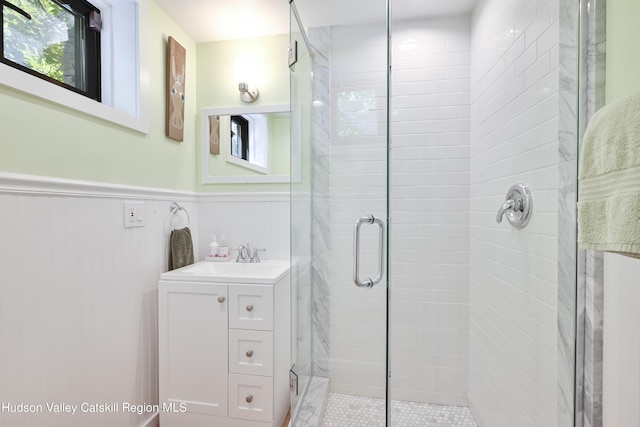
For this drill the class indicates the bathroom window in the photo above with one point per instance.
(122, 95)
(55, 40)
(240, 137)
(249, 139)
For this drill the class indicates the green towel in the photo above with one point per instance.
(180, 248)
(609, 191)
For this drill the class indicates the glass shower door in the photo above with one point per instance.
(339, 210)
(475, 320)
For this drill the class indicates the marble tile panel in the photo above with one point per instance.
(310, 412)
(320, 228)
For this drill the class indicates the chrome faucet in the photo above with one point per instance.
(245, 254)
(255, 257)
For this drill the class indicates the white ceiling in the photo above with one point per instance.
(209, 20)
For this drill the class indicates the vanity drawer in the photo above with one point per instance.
(251, 307)
(251, 352)
(250, 397)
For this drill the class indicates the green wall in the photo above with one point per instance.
(623, 59)
(266, 59)
(43, 138)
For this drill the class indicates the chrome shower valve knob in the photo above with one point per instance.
(517, 206)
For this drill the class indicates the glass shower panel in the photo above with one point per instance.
(301, 241)
(474, 308)
(429, 203)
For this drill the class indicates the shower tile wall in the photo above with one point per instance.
(514, 138)
(430, 210)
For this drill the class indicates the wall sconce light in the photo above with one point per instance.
(247, 94)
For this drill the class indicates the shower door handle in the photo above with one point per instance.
(368, 283)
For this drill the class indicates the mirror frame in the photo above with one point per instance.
(205, 177)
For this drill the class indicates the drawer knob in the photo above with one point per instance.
(249, 308)
(249, 399)
(221, 300)
(249, 353)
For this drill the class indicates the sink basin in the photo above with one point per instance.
(267, 272)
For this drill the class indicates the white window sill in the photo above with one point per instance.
(245, 164)
(23, 82)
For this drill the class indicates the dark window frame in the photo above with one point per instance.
(92, 64)
(243, 124)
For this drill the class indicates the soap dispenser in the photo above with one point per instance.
(213, 247)
(223, 249)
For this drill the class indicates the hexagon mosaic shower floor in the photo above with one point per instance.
(355, 411)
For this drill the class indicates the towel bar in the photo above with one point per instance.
(174, 208)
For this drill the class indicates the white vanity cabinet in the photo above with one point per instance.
(224, 353)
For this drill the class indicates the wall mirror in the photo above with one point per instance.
(245, 144)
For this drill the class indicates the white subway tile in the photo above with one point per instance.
(526, 60)
(538, 71)
(548, 39)
(542, 21)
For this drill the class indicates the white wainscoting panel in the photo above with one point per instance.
(621, 338)
(260, 219)
(78, 300)
(78, 291)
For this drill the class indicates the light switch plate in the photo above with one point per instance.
(135, 214)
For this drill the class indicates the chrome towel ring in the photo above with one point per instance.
(176, 207)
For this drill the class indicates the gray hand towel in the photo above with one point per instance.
(180, 248)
